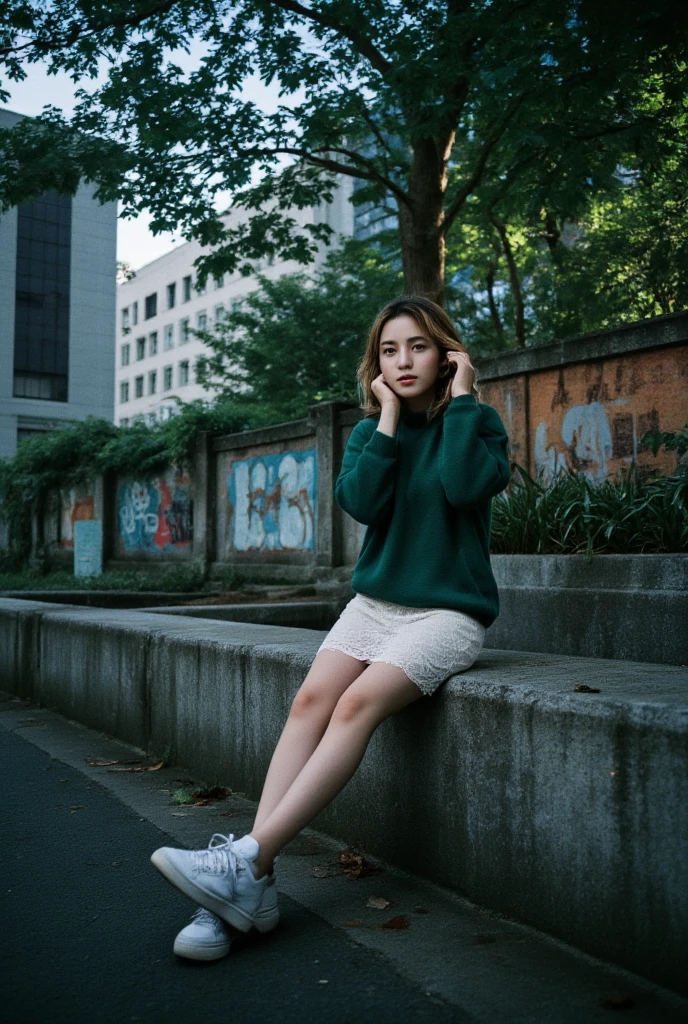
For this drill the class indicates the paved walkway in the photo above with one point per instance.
(88, 923)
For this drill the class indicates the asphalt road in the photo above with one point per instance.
(88, 925)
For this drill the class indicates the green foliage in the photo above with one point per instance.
(296, 341)
(636, 511)
(533, 102)
(183, 578)
(587, 257)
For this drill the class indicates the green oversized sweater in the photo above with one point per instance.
(425, 496)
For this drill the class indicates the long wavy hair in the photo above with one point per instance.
(435, 323)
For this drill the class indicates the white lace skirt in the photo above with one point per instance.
(428, 644)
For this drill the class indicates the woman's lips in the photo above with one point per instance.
(406, 380)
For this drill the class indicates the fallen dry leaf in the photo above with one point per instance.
(378, 903)
(584, 688)
(73, 810)
(354, 865)
(396, 923)
(352, 924)
(106, 764)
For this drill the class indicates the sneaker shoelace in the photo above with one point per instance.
(218, 859)
(206, 917)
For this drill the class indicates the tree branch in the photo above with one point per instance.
(475, 177)
(76, 31)
(371, 174)
(359, 40)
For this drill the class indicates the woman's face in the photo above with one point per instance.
(406, 351)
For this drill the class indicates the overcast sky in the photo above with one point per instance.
(136, 244)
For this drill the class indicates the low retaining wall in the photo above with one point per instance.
(628, 607)
(563, 810)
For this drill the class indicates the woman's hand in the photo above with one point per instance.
(464, 375)
(384, 394)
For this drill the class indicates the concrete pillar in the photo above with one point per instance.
(203, 484)
(328, 544)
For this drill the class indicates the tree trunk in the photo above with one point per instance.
(514, 282)
(494, 312)
(420, 222)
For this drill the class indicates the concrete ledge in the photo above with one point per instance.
(303, 614)
(563, 810)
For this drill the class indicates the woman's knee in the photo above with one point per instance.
(354, 705)
(311, 702)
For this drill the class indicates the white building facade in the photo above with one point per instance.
(58, 263)
(159, 309)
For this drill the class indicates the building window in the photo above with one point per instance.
(219, 282)
(183, 373)
(184, 331)
(152, 382)
(153, 343)
(138, 387)
(200, 288)
(125, 350)
(125, 319)
(140, 348)
(186, 289)
(135, 313)
(171, 295)
(201, 321)
(167, 378)
(151, 305)
(168, 342)
(151, 419)
(219, 313)
(124, 421)
(123, 391)
(41, 320)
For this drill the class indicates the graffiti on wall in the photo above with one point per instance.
(272, 499)
(587, 440)
(156, 514)
(73, 509)
(591, 417)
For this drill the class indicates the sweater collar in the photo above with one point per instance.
(413, 419)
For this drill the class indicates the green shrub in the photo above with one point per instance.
(637, 511)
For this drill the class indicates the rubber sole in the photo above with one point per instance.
(232, 915)
(192, 952)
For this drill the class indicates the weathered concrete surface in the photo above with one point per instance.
(563, 810)
(630, 607)
(303, 614)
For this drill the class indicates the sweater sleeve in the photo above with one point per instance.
(474, 461)
(365, 485)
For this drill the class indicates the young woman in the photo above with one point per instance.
(419, 470)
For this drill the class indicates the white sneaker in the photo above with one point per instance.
(207, 937)
(218, 878)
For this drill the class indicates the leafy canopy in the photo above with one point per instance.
(417, 101)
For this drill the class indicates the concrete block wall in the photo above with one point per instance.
(563, 810)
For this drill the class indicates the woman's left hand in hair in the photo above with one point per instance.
(464, 375)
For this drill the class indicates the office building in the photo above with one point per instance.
(159, 309)
(58, 260)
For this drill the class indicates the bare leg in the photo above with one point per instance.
(380, 691)
(331, 673)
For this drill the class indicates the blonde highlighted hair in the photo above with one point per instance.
(437, 326)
